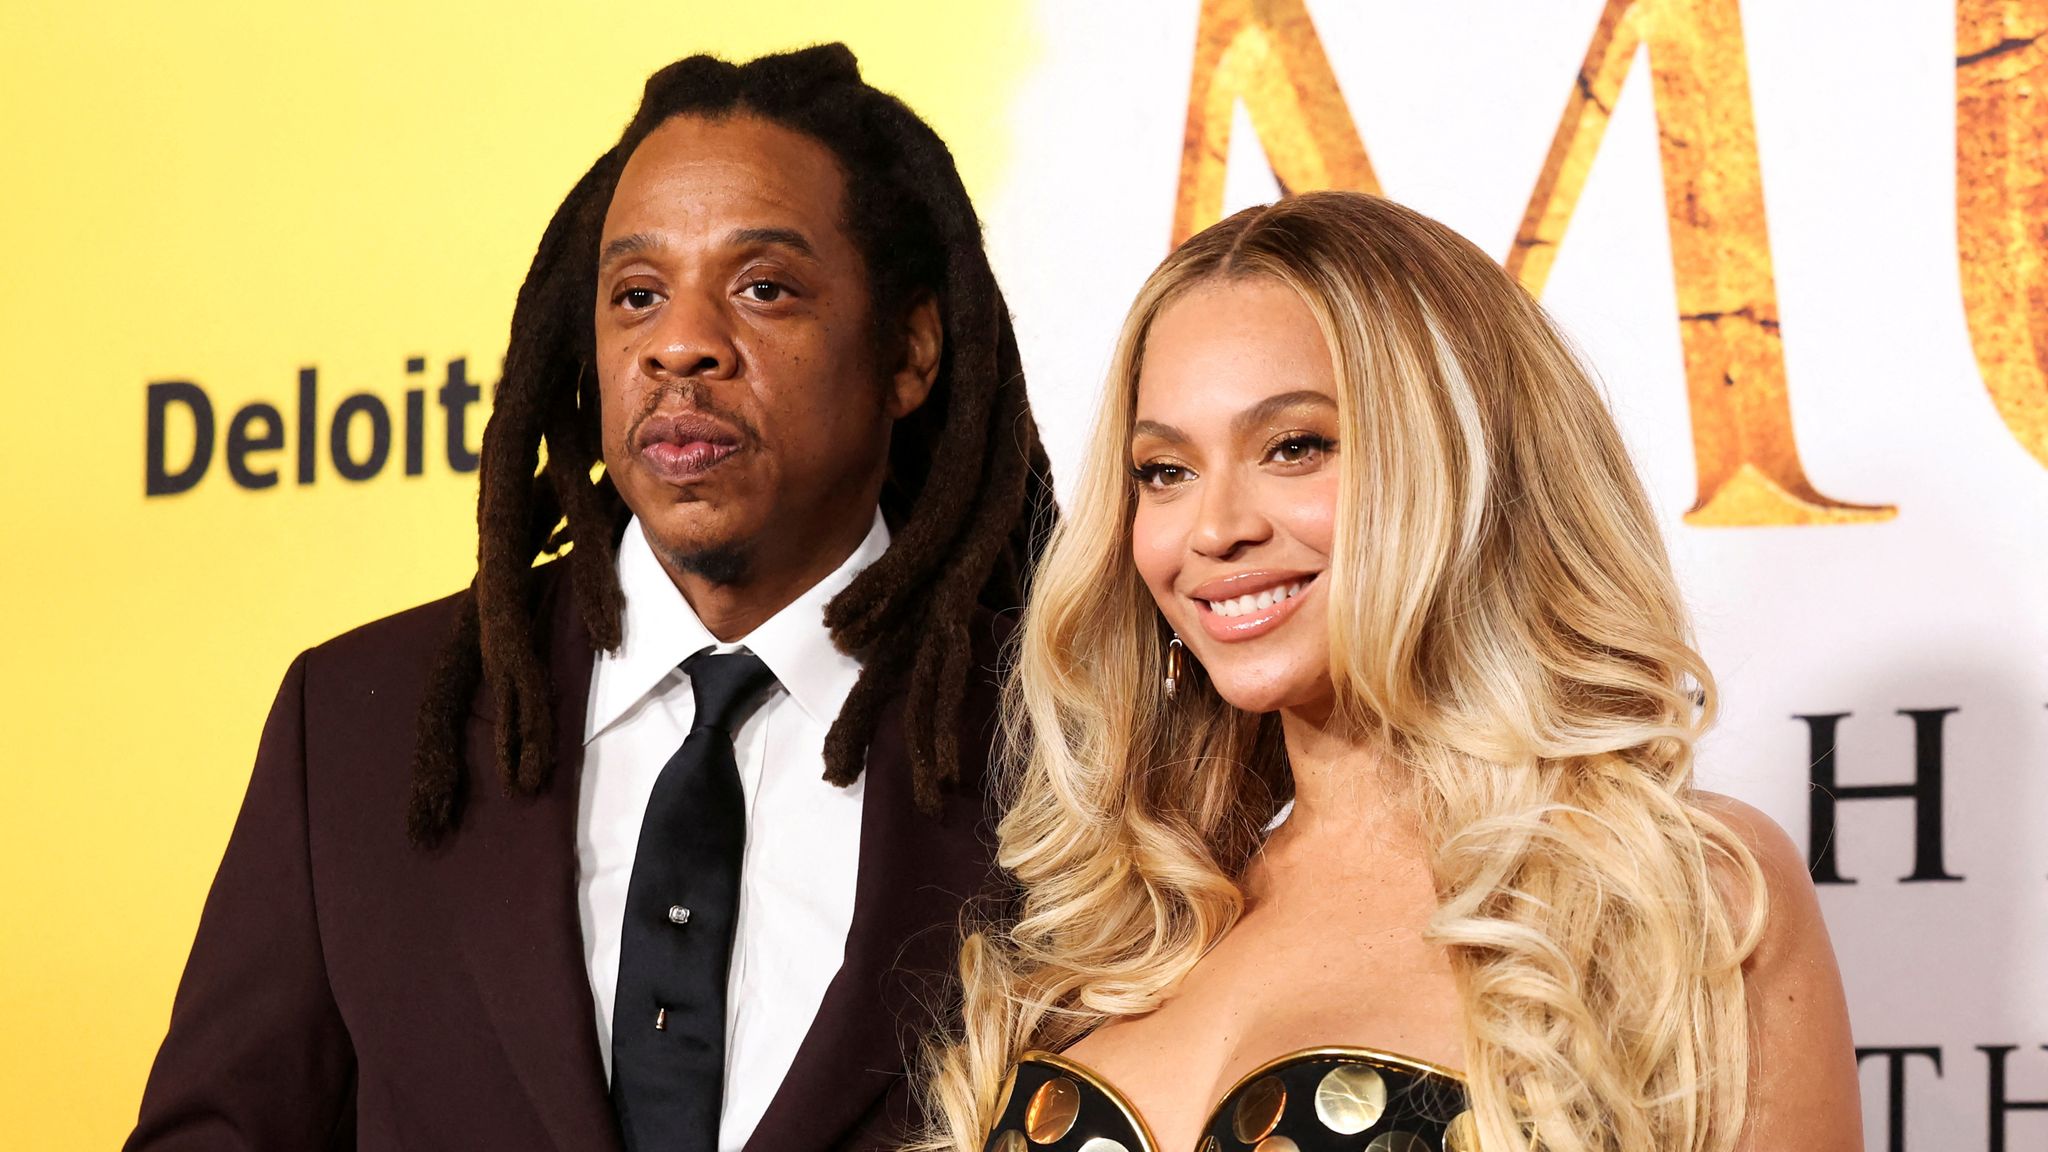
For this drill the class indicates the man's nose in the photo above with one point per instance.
(691, 339)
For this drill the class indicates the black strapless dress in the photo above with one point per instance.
(1315, 1100)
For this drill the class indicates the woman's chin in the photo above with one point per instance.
(1309, 696)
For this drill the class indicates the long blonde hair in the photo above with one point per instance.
(1504, 627)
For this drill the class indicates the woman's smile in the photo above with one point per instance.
(1248, 605)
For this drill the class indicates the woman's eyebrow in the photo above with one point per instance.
(1272, 406)
(1246, 420)
(1158, 431)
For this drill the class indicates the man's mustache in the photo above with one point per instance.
(689, 401)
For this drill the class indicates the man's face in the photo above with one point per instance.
(745, 411)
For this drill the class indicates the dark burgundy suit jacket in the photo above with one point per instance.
(347, 989)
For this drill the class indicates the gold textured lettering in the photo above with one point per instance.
(1747, 460)
(2002, 204)
(1750, 474)
(1265, 53)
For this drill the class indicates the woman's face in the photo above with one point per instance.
(1234, 448)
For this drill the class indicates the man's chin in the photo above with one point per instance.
(714, 565)
(688, 550)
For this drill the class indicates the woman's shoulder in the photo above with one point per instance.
(1780, 866)
(1799, 1018)
(1766, 840)
(1792, 918)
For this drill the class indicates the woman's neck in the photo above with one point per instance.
(1342, 784)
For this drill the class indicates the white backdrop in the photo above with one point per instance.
(1944, 606)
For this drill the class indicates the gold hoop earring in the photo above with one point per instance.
(1175, 654)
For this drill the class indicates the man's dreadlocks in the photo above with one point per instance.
(968, 494)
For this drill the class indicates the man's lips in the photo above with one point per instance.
(1248, 604)
(682, 447)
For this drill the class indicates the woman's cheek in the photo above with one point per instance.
(1312, 512)
(1156, 551)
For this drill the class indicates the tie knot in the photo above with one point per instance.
(727, 685)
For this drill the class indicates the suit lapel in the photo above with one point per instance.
(513, 874)
(514, 888)
(902, 948)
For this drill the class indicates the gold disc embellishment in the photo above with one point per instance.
(1010, 1141)
(1398, 1142)
(1052, 1110)
(1463, 1134)
(1351, 1099)
(1259, 1109)
(1104, 1144)
(1277, 1144)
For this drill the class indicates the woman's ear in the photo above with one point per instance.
(924, 343)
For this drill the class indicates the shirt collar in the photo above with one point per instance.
(661, 630)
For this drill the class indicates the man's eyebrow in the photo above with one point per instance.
(1274, 405)
(631, 245)
(772, 237)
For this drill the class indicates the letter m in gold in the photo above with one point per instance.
(1266, 54)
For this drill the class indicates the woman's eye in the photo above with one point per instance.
(1159, 475)
(764, 291)
(637, 298)
(1301, 449)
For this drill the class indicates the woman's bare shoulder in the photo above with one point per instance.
(1794, 934)
(1777, 857)
(1804, 1093)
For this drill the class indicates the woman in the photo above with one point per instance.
(1356, 533)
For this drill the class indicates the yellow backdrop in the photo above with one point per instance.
(226, 194)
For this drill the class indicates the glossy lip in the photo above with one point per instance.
(1231, 629)
(682, 447)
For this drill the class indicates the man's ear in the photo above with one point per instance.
(924, 343)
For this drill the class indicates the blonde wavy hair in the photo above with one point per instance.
(1504, 628)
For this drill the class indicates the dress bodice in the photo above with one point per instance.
(1315, 1100)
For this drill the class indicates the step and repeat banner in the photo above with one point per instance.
(260, 260)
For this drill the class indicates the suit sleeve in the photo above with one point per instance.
(257, 1055)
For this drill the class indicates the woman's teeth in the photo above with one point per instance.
(1256, 601)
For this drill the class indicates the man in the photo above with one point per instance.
(739, 731)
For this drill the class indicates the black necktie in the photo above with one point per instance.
(668, 1021)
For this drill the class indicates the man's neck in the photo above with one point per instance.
(733, 609)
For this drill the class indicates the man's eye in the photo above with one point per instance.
(765, 291)
(637, 298)
(1159, 475)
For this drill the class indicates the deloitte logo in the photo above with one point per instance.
(258, 430)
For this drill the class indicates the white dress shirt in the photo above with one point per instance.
(803, 835)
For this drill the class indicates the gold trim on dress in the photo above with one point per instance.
(1100, 1083)
(1407, 1063)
